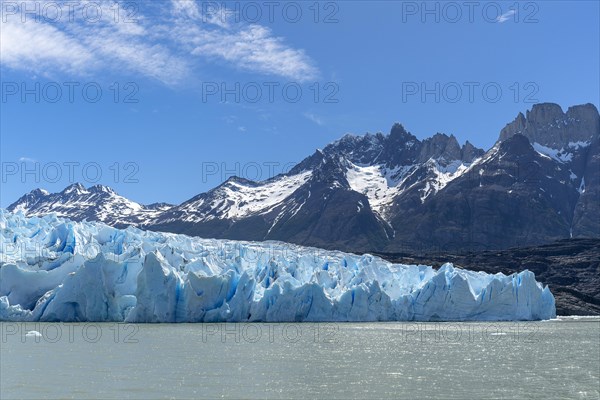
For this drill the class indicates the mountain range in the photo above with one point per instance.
(539, 183)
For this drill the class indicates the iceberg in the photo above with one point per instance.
(54, 269)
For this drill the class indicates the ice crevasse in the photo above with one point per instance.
(53, 269)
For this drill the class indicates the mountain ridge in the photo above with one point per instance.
(379, 192)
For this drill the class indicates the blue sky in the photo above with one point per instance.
(180, 108)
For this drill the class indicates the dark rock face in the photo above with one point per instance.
(586, 218)
(548, 125)
(469, 152)
(440, 146)
(331, 218)
(400, 148)
(514, 196)
(571, 268)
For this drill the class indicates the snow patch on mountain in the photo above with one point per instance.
(562, 155)
(579, 144)
(379, 183)
(442, 176)
(97, 202)
(581, 188)
(237, 199)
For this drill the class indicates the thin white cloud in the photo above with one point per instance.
(254, 48)
(81, 47)
(155, 41)
(185, 9)
(39, 47)
(250, 47)
(505, 17)
(27, 160)
(314, 118)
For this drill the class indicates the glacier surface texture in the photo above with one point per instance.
(54, 269)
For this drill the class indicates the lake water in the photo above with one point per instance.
(538, 360)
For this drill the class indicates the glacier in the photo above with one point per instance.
(53, 269)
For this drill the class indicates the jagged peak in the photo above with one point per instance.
(516, 145)
(548, 125)
(348, 137)
(308, 163)
(468, 144)
(440, 147)
(351, 138)
(81, 189)
(240, 180)
(75, 187)
(101, 188)
(469, 152)
(399, 132)
(39, 192)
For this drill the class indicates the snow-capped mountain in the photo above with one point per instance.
(96, 203)
(540, 182)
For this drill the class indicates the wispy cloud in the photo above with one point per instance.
(254, 48)
(249, 47)
(27, 160)
(505, 17)
(314, 118)
(40, 47)
(164, 43)
(77, 46)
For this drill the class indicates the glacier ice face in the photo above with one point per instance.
(52, 269)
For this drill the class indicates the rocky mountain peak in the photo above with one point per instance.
(544, 113)
(548, 125)
(401, 147)
(239, 180)
(440, 146)
(101, 189)
(357, 149)
(469, 152)
(588, 115)
(74, 188)
(398, 131)
(331, 171)
(39, 192)
(308, 163)
(516, 146)
(515, 127)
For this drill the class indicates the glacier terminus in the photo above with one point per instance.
(54, 269)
